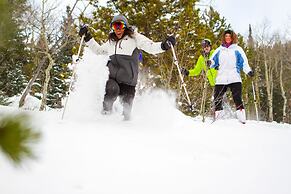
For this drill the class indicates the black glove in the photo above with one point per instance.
(166, 45)
(205, 54)
(184, 71)
(208, 62)
(251, 74)
(84, 31)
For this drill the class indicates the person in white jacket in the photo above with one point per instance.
(229, 59)
(123, 48)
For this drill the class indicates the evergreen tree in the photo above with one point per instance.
(17, 136)
(3, 98)
(13, 53)
(60, 72)
(213, 26)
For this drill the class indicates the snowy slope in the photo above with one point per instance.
(160, 151)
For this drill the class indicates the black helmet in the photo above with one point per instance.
(205, 42)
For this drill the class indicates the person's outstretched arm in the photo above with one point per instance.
(148, 45)
(96, 48)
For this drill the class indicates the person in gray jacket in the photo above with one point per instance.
(123, 48)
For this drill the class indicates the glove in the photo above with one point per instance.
(184, 71)
(84, 31)
(251, 74)
(205, 54)
(208, 62)
(166, 45)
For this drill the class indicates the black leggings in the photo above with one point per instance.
(236, 90)
(113, 90)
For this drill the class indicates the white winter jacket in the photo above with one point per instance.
(229, 62)
(124, 55)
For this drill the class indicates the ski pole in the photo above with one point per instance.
(256, 107)
(181, 77)
(73, 74)
(204, 92)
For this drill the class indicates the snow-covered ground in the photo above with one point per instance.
(160, 151)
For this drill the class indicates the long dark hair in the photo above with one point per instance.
(128, 31)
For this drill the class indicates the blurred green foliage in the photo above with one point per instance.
(17, 137)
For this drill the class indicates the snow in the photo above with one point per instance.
(31, 102)
(160, 151)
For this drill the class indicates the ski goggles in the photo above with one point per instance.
(118, 25)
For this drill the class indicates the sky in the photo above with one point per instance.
(242, 13)
(255, 12)
(159, 151)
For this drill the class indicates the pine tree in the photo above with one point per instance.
(13, 53)
(17, 136)
(3, 98)
(60, 72)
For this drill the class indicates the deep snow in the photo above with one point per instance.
(160, 151)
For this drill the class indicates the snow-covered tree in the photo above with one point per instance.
(13, 53)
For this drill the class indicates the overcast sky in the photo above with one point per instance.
(241, 13)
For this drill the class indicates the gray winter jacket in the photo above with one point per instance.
(124, 56)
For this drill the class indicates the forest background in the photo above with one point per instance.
(37, 43)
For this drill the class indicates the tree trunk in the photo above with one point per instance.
(268, 77)
(46, 83)
(270, 101)
(255, 94)
(257, 89)
(46, 48)
(283, 93)
(31, 81)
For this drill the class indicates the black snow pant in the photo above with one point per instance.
(125, 92)
(236, 90)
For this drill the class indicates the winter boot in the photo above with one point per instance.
(107, 107)
(126, 117)
(241, 115)
(126, 111)
(106, 112)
